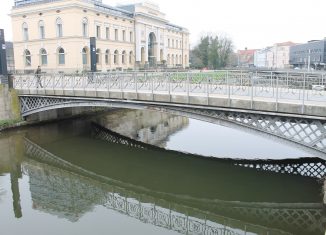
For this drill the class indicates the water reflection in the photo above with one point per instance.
(149, 127)
(70, 173)
(173, 198)
(230, 136)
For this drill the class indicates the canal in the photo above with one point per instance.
(100, 175)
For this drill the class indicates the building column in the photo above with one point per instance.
(146, 45)
(158, 49)
(138, 43)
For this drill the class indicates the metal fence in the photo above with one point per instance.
(293, 86)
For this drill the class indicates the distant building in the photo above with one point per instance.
(311, 54)
(260, 57)
(10, 57)
(246, 58)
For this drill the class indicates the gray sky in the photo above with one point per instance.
(249, 23)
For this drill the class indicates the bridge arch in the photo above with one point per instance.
(264, 125)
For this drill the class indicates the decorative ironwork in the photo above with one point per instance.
(271, 86)
(96, 189)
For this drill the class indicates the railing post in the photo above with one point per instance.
(303, 93)
(208, 80)
(252, 92)
(276, 107)
(136, 84)
(152, 82)
(228, 88)
(188, 87)
(169, 85)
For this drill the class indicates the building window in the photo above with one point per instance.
(168, 42)
(107, 33)
(130, 57)
(180, 59)
(123, 59)
(124, 35)
(116, 36)
(61, 56)
(84, 56)
(116, 57)
(168, 59)
(25, 31)
(131, 37)
(107, 57)
(98, 56)
(85, 27)
(176, 43)
(98, 31)
(41, 29)
(27, 58)
(59, 28)
(172, 43)
(44, 57)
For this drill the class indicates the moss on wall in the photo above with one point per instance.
(10, 108)
(14, 105)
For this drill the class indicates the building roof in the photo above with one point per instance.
(288, 43)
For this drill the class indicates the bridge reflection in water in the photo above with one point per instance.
(63, 187)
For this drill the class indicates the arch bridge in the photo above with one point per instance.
(288, 106)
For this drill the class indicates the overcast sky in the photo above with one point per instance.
(249, 23)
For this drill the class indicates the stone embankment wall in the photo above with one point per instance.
(9, 104)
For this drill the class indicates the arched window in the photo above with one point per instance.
(176, 59)
(107, 56)
(180, 59)
(169, 59)
(116, 57)
(131, 55)
(85, 27)
(98, 56)
(44, 57)
(59, 27)
(176, 43)
(84, 56)
(27, 58)
(172, 59)
(123, 59)
(41, 29)
(25, 31)
(61, 56)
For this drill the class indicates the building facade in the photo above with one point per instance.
(246, 58)
(260, 60)
(309, 55)
(56, 35)
(274, 57)
(10, 57)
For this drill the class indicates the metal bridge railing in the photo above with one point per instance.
(274, 86)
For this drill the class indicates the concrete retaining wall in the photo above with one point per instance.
(9, 104)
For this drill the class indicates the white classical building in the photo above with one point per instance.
(55, 34)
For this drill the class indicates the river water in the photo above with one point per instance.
(70, 178)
